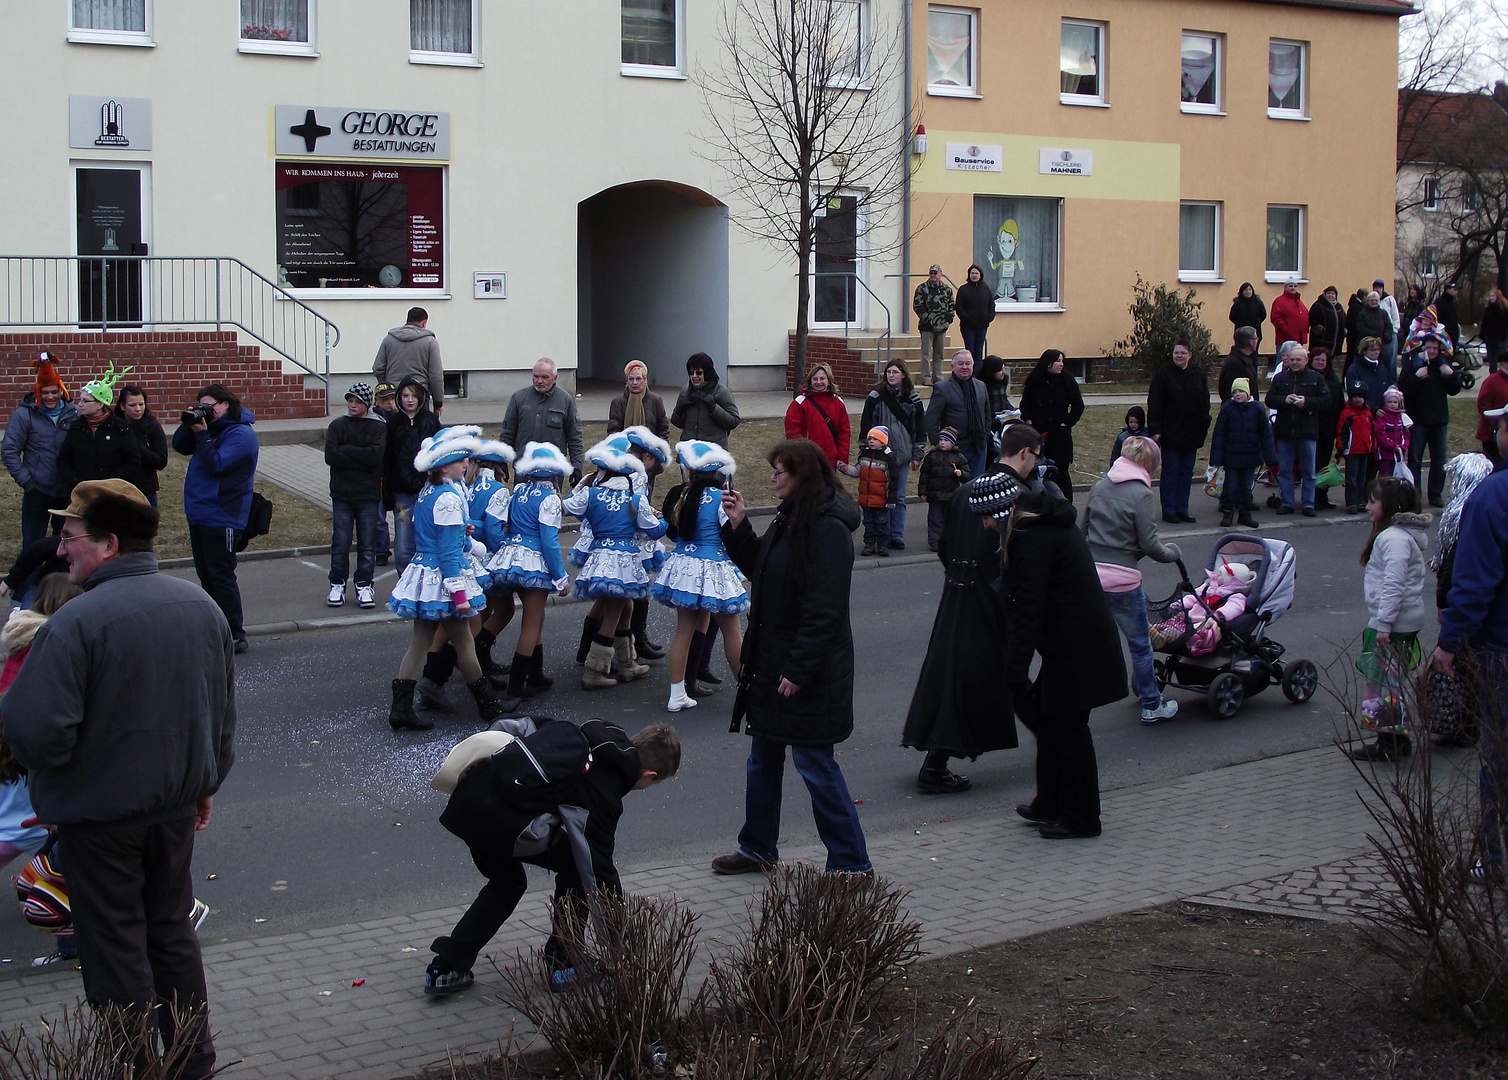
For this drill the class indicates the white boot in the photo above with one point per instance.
(598, 674)
(679, 699)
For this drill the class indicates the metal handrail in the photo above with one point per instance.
(885, 338)
(118, 292)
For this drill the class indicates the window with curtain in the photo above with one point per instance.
(1427, 263)
(844, 63)
(1431, 193)
(1199, 241)
(1082, 61)
(1017, 242)
(126, 16)
(950, 50)
(1285, 240)
(1201, 72)
(1285, 77)
(440, 26)
(275, 20)
(649, 33)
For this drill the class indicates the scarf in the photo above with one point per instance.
(95, 421)
(1464, 472)
(633, 408)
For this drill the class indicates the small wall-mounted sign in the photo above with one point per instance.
(489, 285)
(970, 157)
(104, 123)
(1056, 162)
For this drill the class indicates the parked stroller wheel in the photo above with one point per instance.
(1300, 681)
(1468, 380)
(1274, 501)
(1226, 694)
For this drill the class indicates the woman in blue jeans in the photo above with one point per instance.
(795, 687)
(1120, 525)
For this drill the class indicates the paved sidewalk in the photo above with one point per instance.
(286, 1005)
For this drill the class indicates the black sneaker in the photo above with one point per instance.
(897, 545)
(736, 863)
(441, 982)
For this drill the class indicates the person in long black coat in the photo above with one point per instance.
(961, 706)
(1329, 418)
(1055, 610)
(795, 686)
(1052, 404)
(1247, 309)
(132, 408)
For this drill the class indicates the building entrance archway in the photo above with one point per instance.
(652, 280)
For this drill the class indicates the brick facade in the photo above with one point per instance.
(852, 375)
(168, 365)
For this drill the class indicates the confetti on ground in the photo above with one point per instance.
(359, 982)
(213, 877)
(858, 802)
(324, 993)
(258, 920)
(409, 948)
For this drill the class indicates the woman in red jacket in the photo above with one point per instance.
(818, 414)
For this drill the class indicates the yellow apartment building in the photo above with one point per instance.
(1200, 142)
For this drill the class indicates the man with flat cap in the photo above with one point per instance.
(124, 715)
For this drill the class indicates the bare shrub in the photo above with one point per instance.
(98, 1044)
(1447, 927)
(965, 1048)
(626, 1004)
(807, 994)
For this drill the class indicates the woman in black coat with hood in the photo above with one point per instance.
(1329, 417)
(975, 307)
(131, 406)
(795, 688)
(1056, 610)
(1247, 309)
(1052, 404)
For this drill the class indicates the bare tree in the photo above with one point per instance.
(1439, 51)
(798, 111)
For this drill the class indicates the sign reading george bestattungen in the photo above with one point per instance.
(327, 131)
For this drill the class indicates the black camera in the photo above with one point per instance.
(196, 413)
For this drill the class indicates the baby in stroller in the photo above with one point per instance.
(1220, 600)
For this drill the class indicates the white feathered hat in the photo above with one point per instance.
(542, 459)
(645, 439)
(611, 455)
(492, 450)
(446, 446)
(701, 456)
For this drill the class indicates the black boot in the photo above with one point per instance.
(430, 689)
(488, 707)
(1388, 746)
(704, 666)
(402, 714)
(537, 681)
(639, 627)
(1245, 520)
(589, 629)
(517, 676)
(490, 667)
(935, 778)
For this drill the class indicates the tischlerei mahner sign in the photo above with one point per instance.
(327, 131)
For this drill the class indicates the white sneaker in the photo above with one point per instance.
(54, 958)
(365, 596)
(337, 596)
(198, 913)
(1166, 711)
(679, 699)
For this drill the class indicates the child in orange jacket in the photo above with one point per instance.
(875, 492)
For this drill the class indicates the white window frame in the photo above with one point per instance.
(139, 38)
(1102, 58)
(1302, 112)
(1297, 273)
(1431, 194)
(1216, 274)
(860, 81)
(1199, 107)
(450, 59)
(860, 263)
(659, 71)
(971, 90)
(259, 46)
(143, 167)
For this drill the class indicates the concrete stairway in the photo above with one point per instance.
(907, 348)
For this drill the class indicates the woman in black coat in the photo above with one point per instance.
(1052, 404)
(1055, 609)
(132, 408)
(99, 445)
(1329, 418)
(975, 307)
(795, 686)
(1178, 417)
(1247, 309)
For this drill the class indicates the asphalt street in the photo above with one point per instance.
(328, 816)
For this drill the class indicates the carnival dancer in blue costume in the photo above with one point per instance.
(615, 505)
(699, 580)
(529, 559)
(438, 587)
(485, 536)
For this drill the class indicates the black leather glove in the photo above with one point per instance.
(575, 477)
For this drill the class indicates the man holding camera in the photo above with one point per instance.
(222, 449)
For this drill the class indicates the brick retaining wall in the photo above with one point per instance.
(168, 365)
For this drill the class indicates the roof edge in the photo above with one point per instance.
(1390, 8)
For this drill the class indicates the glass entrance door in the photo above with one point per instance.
(109, 230)
(835, 293)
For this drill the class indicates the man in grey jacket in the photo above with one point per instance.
(411, 351)
(962, 403)
(545, 413)
(124, 715)
(33, 437)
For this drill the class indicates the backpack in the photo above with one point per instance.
(258, 520)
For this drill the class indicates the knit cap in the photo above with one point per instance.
(993, 494)
(948, 435)
(880, 432)
(1392, 393)
(1243, 385)
(362, 392)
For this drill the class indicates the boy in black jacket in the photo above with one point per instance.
(944, 470)
(545, 792)
(355, 446)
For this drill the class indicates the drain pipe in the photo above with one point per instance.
(906, 164)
